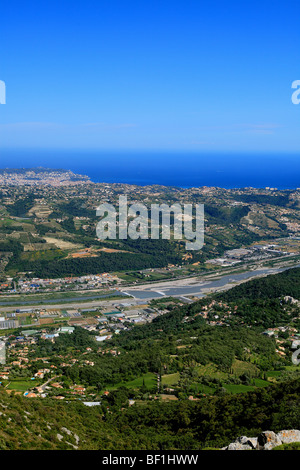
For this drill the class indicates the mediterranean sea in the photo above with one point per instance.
(181, 169)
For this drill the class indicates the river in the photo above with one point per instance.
(199, 289)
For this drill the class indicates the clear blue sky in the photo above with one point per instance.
(189, 75)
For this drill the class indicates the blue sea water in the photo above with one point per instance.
(182, 169)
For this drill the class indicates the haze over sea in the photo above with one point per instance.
(172, 168)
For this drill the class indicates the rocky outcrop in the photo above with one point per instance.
(243, 443)
(267, 440)
(287, 437)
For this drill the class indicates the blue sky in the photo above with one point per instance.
(192, 75)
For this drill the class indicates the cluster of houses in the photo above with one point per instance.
(78, 283)
(293, 338)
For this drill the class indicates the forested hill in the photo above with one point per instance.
(216, 421)
(259, 302)
(286, 283)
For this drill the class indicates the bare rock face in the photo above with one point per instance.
(249, 441)
(287, 437)
(238, 446)
(267, 440)
(243, 443)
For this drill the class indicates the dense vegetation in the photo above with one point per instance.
(280, 200)
(76, 207)
(225, 215)
(211, 422)
(146, 254)
(104, 263)
(21, 206)
(144, 351)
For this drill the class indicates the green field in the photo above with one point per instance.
(239, 388)
(43, 255)
(8, 223)
(170, 379)
(261, 383)
(241, 367)
(149, 379)
(21, 385)
(211, 370)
